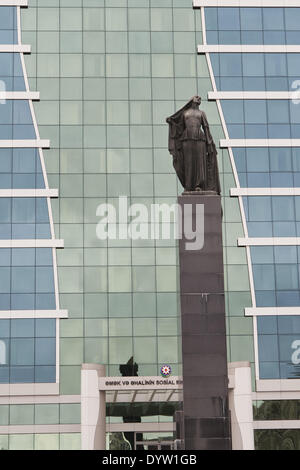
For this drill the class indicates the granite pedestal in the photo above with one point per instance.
(206, 417)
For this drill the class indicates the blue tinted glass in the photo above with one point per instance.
(260, 208)
(292, 37)
(289, 324)
(22, 374)
(45, 301)
(292, 18)
(296, 179)
(243, 179)
(273, 18)
(23, 256)
(229, 19)
(5, 302)
(211, 18)
(42, 215)
(267, 325)
(45, 328)
(255, 111)
(229, 37)
(284, 229)
(24, 181)
(264, 276)
(289, 371)
(286, 276)
(7, 37)
(233, 111)
(283, 208)
(278, 111)
(280, 159)
(22, 328)
(22, 280)
(295, 112)
(252, 37)
(231, 83)
(274, 37)
(215, 63)
(240, 158)
(268, 348)
(20, 231)
(42, 231)
(282, 180)
(23, 210)
(230, 65)
(285, 254)
(276, 64)
(4, 328)
(293, 64)
(22, 352)
(18, 70)
(44, 257)
(6, 112)
(39, 182)
(4, 280)
(251, 18)
(276, 83)
(30, 354)
(25, 160)
(7, 17)
(236, 131)
(6, 64)
(288, 298)
(269, 370)
(18, 84)
(212, 37)
(253, 64)
(21, 112)
(5, 160)
(256, 131)
(265, 298)
(260, 229)
(295, 131)
(5, 257)
(22, 301)
(22, 132)
(5, 231)
(45, 351)
(254, 83)
(44, 279)
(262, 254)
(45, 374)
(257, 159)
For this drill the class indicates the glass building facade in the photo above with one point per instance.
(109, 72)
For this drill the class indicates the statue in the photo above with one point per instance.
(193, 149)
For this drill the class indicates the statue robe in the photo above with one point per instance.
(194, 157)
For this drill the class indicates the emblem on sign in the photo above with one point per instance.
(165, 371)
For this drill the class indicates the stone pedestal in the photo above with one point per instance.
(204, 355)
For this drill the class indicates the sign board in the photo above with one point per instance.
(140, 383)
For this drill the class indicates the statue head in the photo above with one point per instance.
(196, 100)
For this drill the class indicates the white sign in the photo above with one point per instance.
(140, 383)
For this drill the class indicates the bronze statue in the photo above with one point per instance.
(193, 149)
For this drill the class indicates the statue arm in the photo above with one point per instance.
(205, 126)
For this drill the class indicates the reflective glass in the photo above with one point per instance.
(30, 353)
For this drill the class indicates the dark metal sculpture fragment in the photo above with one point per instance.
(193, 149)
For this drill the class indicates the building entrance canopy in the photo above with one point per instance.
(141, 389)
